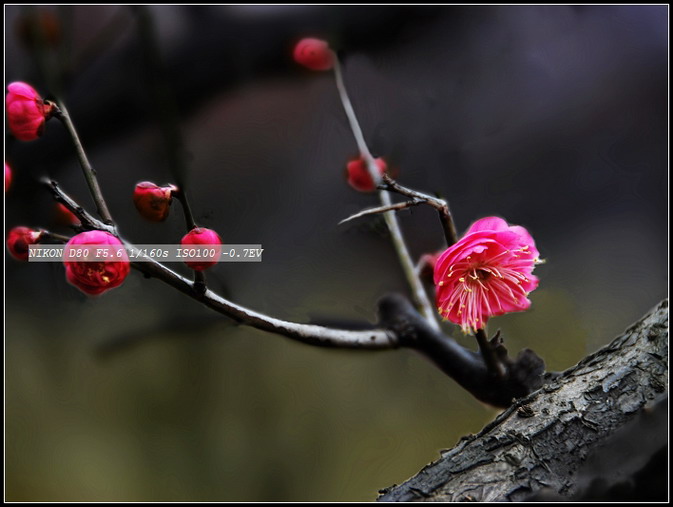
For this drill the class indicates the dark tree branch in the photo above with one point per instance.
(521, 376)
(551, 443)
(400, 326)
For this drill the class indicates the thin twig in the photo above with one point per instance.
(190, 223)
(440, 205)
(89, 174)
(419, 295)
(494, 365)
(382, 209)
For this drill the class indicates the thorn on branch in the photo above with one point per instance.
(382, 209)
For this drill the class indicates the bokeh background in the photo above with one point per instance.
(554, 118)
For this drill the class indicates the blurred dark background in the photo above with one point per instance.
(552, 117)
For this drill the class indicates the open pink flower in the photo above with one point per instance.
(26, 111)
(486, 273)
(94, 278)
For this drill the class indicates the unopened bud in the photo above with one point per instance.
(26, 111)
(314, 54)
(208, 256)
(152, 201)
(358, 174)
(19, 239)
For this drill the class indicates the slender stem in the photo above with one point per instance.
(418, 292)
(493, 364)
(180, 195)
(440, 205)
(89, 174)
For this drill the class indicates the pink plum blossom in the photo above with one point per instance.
(488, 272)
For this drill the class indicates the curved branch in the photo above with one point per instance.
(522, 375)
(400, 326)
(306, 333)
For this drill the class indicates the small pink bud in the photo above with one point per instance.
(207, 238)
(26, 111)
(359, 177)
(314, 54)
(19, 239)
(152, 201)
(8, 177)
(64, 216)
(94, 278)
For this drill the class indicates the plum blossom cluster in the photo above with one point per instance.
(488, 272)
(27, 113)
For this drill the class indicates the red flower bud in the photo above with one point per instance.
(94, 278)
(64, 216)
(314, 54)
(152, 201)
(359, 177)
(8, 177)
(207, 238)
(26, 111)
(19, 239)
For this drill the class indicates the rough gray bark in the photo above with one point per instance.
(571, 435)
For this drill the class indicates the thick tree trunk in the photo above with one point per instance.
(598, 431)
